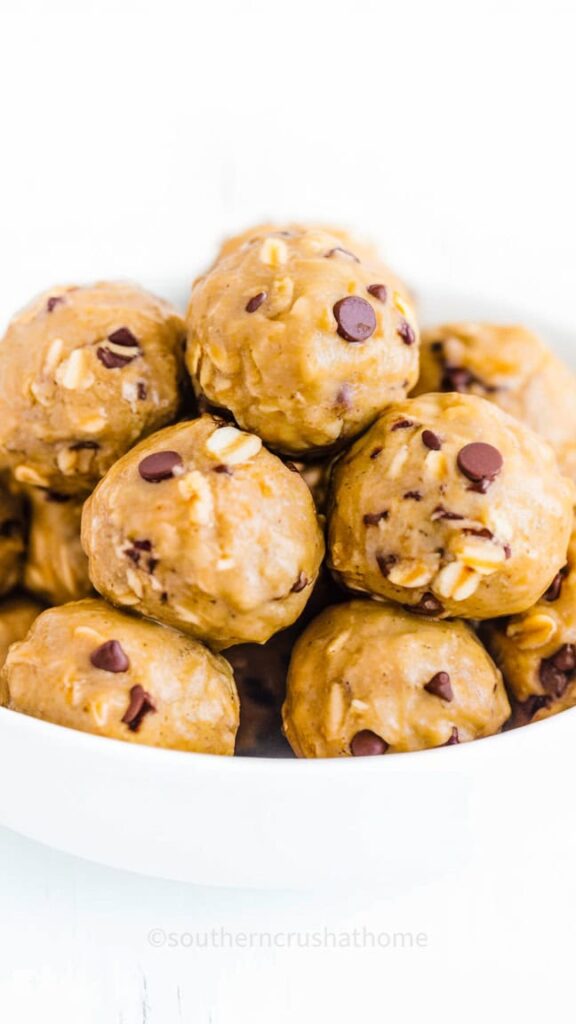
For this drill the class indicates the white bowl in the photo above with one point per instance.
(388, 822)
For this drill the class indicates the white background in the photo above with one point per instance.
(134, 136)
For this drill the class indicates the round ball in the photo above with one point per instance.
(55, 568)
(92, 668)
(372, 679)
(202, 528)
(450, 507)
(302, 340)
(84, 374)
(511, 367)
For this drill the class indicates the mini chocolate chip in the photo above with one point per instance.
(556, 672)
(143, 545)
(479, 461)
(456, 378)
(454, 738)
(151, 564)
(402, 425)
(406, 332)
(565, 658)
(113, 360)
(57, 498)
(345, 396)
(431, 440)
(376, 452)
(123, 337)
(385, 563)
(507, 551)
(533, 705)
(132, 554)
(159, 466)
(80, 446)
(443, 513)
(141, 704)
(440, 686)
(53, 301)
(339, 251)
(373, 518)
(427, 605)
(367, 744)
(228, 472)
(300, 584)
(355, 318)
(255, 302)
(141, 391)
(164, 597)
(379, 291)
(110, 657)
(555, 588)
(413, 496)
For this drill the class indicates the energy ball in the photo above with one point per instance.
(202, 528)
(56, 568)
(12, 531)
(302, 340)
(90, 667)
(368, 679)
(513, 368)
(536, 651)
(84, 374)
(450, 507)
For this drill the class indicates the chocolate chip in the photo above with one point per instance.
(406, 332)
(385, 563)
(367, 744)
(379, 291)
(376, 452)
(113, 360)
(555, 588)
(141, 391)
(557, 671)
(402, 425)
(151, 565)
(300, 584)
(255, 302)
(80, 446)
(480, 462)
(123, 337)
(431, 440)
(440, 686)
(345, 396)
(339, 251)
(53, 301)
(355, 318)
(443, 513)
(110, 657)
(532, 706)
(485, 533)
(456, 378)
(159, 466)
(507, 551)
(427, 605)
(228, 472)
(413, 496)
(373, 518)
(141, 704)
(454, 738)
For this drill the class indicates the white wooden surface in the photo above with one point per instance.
(134, 135)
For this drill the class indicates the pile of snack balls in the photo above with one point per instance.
(234, 532)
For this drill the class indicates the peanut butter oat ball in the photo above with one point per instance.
(56, 568)
(513, 368)
(90, 667)
(84, 374)
(302, 340)
(12, 530)
(369, 678)
(450, 507)
(202, 528)
(536, 651)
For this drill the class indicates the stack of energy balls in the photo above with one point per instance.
(300, 558)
